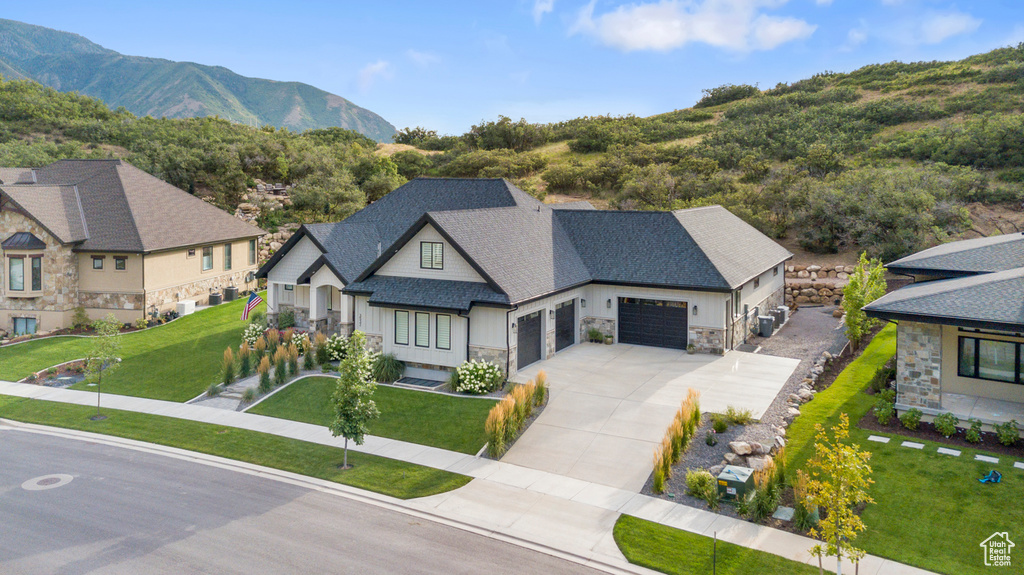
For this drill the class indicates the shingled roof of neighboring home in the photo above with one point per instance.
(984, 301)
(109, 205)
(965, 257)
(524, 249)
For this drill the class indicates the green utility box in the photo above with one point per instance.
(735, 482)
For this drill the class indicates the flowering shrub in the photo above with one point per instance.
(252, 332)
(301, 341)
(478, 377)
(336, 345)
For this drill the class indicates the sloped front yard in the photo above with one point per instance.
(443, 421)
(173, 362)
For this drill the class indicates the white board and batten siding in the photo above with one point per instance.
(768, 283)
(297, 260)
(487, 325)
(430, 354)
(406, 263)
(710, 305)
(546, 305)
(369, 319)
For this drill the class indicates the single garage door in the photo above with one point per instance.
(657, 323)
(565, 324)
(529, 340)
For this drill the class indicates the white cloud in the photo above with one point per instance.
(938, 27)
(422, 59)
(1017, 36)
(823, 2)
(542, 7)
(855, 37)
(669, 24)
(372, 72)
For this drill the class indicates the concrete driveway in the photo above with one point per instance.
(610, 405)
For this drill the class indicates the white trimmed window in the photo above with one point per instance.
(17, 274)
(422, 329)
(401, 327)
(443, 331)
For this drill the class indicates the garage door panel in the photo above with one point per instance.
(656, 323)
(529, 339)
(565, 325)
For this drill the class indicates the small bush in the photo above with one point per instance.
(595, 335)
(701, 484)
(724, 94)
(336, 346)
(880, 381)
(286, 319)
(973, 435)
(387, 368)
(764, 502)
(258, 317)
(710, 439)
(478, 377)
(738, 416)
(141, 323)
(911, 418)
(1008, 433)
(249, 395)
(213, 390)
(719, 423)
(80, 320)
(946, 423)
(252, 333)
(884, 410)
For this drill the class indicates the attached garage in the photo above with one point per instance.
(565, 324)
(657, 323)
(529, 340)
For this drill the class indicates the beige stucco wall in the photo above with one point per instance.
(952, 382)
(108, 279)
(170, 276)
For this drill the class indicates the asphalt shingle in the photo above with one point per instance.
(965, 257)
(456, 296)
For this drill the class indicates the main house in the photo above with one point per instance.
(960, 334)
(108, 237)
(440, 271)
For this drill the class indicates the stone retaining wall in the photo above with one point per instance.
(816, 284)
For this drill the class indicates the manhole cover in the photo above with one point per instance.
(47, 482)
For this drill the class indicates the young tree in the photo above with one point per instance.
(839, 479)
(353, 406)
(103, 356)
(866, 284)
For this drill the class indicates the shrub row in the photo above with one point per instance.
(508, 416)
(677, 438)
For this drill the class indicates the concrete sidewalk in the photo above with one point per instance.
(539, 507)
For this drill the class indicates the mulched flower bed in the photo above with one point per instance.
(51, 377)
(926, 431)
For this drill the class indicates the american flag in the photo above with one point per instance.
(254, 300)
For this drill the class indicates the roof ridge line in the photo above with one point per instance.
(81, 212)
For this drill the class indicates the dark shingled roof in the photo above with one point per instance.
(986, 301)
(23, 241)
(966, 257)
(424, 293)
(109, 205)
(525, 249)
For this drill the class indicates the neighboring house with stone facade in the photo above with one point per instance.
(106, 236)
(960, 334)
(444, 270)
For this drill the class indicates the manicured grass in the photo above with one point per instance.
(453, 423)
(175, 362)
(930, 510)
(379, 474)
(679, 552)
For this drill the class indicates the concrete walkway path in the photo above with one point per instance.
(543, 509)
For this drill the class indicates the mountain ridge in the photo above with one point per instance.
(158, 87)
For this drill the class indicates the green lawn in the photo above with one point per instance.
(453, 423)
(379, 474)
(930, 510)
(679, 552)
(174, 362)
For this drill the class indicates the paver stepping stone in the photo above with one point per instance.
(986, 459)
(912, 445)
(946, 451)
(1018, 465)
(878, 438)
(784, 513)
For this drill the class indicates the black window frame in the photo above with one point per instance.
(98, 259)
(437, 331)
(416, 331)
(975, 373)
(202, 260)
(433, 263)
(120, 263)
(775, 271)
(36, 271)
(757, 282)
(406, 342)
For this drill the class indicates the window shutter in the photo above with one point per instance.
(402, 327)
(438, 259)
(423, 329)
(444, 332)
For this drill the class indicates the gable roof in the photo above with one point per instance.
(424, 293)
(109, 205)
(525, 249)
(984, 301)
(965, 257)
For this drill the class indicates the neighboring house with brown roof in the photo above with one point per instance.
(106, 236)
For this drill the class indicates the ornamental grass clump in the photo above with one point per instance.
(494, 427)
(540, 393)
(286, 336)
(659, 477)
(308, 362)
(229, 367)
(280, 366)
(249, 395)
(244, 360)
(387, 368)
(701, 484)
(805, 514)
(260, 348)
(322, 353)
(507, 418)
(264, 370)
(273, 340)
(293, 359)
(478, 377)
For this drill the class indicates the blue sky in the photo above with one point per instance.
(448, 65)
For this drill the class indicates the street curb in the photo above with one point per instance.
(606, 564)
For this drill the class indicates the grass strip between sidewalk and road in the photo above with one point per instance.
(379, 474)
(434, 419)
(679, 552)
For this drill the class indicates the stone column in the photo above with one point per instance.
(919, 364)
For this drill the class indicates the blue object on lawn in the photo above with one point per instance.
(992, 477)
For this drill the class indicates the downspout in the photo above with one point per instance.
(467, 333)
(508, 336)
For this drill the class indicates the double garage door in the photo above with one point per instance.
(657, 323)
(530, 339)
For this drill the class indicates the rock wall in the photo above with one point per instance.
(919, 365)
(165, 299)
(112, 301)
(604, 325)
(707, 340)
(816, 284)
(498, 357)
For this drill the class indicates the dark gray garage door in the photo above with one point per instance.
(529, 339)
(652, 322)
(565, 324)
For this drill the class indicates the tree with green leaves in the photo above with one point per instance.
(839, 479)
(103, 355)
(353, 406)
(866, 284)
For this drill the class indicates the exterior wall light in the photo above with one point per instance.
(694, 310)
(551, 314)
(609, 303)
(583, 303)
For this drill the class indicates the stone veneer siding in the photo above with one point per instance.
(739, 330)
(604, 325)
(549, 344)
(498, 357)
(112, 300)
(919, 364)
(707, 340)
(166, 298)
(374, 342)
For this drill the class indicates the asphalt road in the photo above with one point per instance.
(126, 511)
